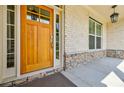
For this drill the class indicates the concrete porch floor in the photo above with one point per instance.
(104, 72)
(54, 80)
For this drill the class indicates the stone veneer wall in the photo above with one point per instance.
(74, 60)
(115, 53)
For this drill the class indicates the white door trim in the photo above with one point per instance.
(18, 40)
(18, 45)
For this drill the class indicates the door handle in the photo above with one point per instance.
(51, 40)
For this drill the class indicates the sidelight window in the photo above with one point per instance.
(57, 36)
(10, 35)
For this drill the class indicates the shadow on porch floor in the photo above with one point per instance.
(55, 80)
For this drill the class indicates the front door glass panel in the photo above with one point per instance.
(37, 14)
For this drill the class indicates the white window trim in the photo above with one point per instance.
(96, 36)
(8, 72)
(58, 63)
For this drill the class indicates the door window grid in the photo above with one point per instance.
(10, 35)
(95, 34)
(37, 14)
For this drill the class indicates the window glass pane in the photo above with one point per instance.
(57, 44)
(91, 27)
(98, 41)
(57, 47)
(33, 17)
(44, 20)
(10, 31)
(10, 17)
(44, 12)
(98, 29)
(57, 27)
(57, 36)
(91, 42)
(57, 54)
(10, 46)
(10, 60)
(33, 8)
(57, 23)
(57, 18)
(11, 7)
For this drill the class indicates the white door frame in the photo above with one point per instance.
(18, 46)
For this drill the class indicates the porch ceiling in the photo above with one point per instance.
(106, 11)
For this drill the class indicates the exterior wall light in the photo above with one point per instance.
(114, 16)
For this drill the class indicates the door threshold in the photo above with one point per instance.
(31, 76)
(35, 72)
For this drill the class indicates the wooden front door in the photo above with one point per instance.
(36, 38)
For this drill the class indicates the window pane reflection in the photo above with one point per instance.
(44, 20)
(33, 17)
(57, 36)
(44, 12)
(33, 8)
(10, 31)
